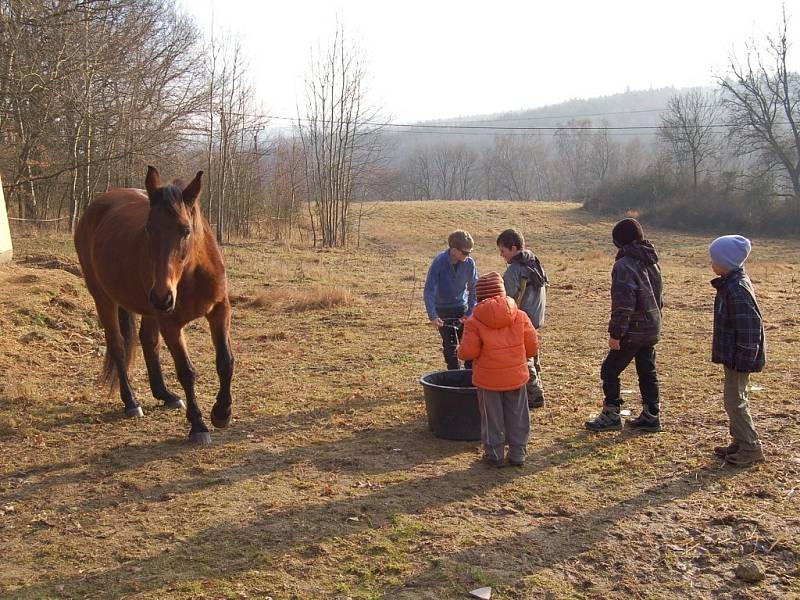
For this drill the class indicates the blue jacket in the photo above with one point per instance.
(738, 329)
(449, 287)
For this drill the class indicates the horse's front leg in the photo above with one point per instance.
(219, 320)
(149, 338)
(173, 336)
(119, 328)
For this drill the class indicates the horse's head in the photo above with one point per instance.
(173, 225)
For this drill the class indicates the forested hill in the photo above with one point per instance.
(630, 108)
(626, 109)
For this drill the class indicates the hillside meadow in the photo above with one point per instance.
(328, 483)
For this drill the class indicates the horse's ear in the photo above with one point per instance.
(152, 182)
(192, 191)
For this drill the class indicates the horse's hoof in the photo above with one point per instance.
(220, 423)
(201, 438)
(176, 404)
(135, 411)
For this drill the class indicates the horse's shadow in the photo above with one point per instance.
(97, 467)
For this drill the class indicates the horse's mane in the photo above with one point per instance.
(172, 198)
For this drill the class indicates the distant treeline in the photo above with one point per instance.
(92, 92)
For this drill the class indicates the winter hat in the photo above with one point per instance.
(730, 251)
(627, 231)
(489, 285)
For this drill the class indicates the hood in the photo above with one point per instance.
(531, 267)
(643, 251)
(723, 280)
(496, 312)
(527, 259)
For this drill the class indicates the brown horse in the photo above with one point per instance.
(154, 254)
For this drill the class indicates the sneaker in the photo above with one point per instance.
(646, 421)
(723, 451)
(745, 457)
(607, 420)
(516, 455)
(537, 402)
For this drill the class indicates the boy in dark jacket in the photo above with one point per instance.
(525, 281)
(634, 328)
(738, 344)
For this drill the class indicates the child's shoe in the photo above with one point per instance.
(497, 463)
(493, 456)
(646, 421)
(516, 455)
(607, 420)
(723, 451)
(745, 456)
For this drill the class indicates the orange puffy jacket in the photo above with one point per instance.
(499, 338)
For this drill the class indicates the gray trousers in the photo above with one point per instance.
(534, 386)
(505, 419)
(738, 408)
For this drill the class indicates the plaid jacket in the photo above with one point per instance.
(738, 329)
(636, 297)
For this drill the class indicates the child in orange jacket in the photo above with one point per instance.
(500, 339)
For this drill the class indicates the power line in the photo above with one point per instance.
(572, 116)
(438, 128)
(486, 127)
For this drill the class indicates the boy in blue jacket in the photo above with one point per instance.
(738, 344)
(450, 293)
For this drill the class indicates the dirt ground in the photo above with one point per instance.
(328, 483)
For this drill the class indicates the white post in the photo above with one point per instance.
(5, 233)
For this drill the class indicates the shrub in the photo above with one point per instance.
(714, 206)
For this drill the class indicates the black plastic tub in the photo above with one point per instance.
(452, 404)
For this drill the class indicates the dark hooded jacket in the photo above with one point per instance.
(526, 265)
(636, 295)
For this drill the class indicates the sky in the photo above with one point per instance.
(442, 58)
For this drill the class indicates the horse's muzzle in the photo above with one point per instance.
(165, 304)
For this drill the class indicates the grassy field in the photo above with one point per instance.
(328, 483)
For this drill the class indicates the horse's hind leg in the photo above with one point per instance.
(219, 320)
(173, 336)
(149, 338)
(116, 353)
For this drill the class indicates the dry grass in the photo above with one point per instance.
(315, 298)
(328, 484)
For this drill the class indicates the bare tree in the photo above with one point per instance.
(90, 93)
(513, 168)
(762, 97)
(420, 177)
(339, 137)
(586, 153)
(287, 190)
(688, 130)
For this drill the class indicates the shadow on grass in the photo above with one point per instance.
(100, 467)
(233, 548)
(554, 543)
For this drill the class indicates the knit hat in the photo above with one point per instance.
(489, 285)
(730, 251)
(627, 231)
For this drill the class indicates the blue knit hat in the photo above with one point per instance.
(730, 251)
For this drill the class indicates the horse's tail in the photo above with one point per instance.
(127, 328)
